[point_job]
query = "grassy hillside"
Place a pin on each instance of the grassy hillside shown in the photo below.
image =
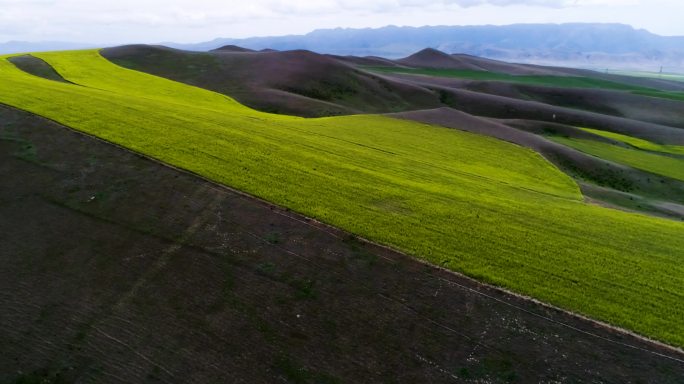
(639, 143)
(467, 202)
(648, 161)
(651, 75)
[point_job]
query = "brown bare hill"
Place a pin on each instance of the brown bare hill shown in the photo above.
(432, 58)
(291, 82)
(36, 67)
(617, 103)
(232, 48)
(165, 277)
(608, 102)
(435, 59)
(308, 84)
(455, 94)
(367, 61)
(508, 68)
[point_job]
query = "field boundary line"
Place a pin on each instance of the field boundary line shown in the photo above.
(331, 230)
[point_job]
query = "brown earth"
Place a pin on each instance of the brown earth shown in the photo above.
(308, 84)
(232, 48)
(607, 102)
(432, 58)
(292, 82)
(514, 104)
(36, 67)
(115, 268)
(366, 61)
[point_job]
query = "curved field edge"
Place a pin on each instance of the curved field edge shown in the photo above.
(638, 143)
(486, 208)
(657, 163)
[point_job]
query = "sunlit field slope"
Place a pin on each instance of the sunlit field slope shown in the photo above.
(484, 207)
(638, 143)
(661, 164)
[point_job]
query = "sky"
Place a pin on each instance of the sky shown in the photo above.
(186, 21)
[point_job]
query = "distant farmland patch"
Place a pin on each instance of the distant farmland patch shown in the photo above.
(552, 81)
(546, 80)
(650, 75)
(647, 161)
(638, 143)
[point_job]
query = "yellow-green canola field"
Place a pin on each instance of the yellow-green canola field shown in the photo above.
(665, 160)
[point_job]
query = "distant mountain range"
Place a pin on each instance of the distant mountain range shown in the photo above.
(576, 44)
(587, 45)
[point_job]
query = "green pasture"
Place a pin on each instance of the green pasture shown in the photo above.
(651, 75)
(660, 164)
(638, 143)
(545, 80)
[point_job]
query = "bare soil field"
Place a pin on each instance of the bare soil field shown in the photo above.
(115, 268)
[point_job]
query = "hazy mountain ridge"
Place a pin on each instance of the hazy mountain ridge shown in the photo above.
(580, 44)
(587, 45)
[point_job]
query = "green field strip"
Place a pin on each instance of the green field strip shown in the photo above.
(477, 205)
(544, 80)
(650, 75)
(638, 143)
(660, 164)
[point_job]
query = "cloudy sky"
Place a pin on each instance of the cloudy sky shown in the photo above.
(150, 21)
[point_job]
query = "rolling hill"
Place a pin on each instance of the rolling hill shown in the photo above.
(488, 174)
(527, 98)
(361, 174)
(296, 82)
(585, 45)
